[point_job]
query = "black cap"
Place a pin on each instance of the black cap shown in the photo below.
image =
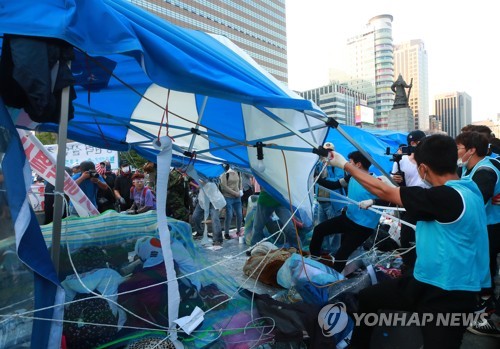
(415, 136)
(123, 163)
(87, 166)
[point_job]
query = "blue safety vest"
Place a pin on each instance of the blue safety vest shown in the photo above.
(454, 256)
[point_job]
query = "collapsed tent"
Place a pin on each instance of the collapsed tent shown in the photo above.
(147, 77)
(138, 76)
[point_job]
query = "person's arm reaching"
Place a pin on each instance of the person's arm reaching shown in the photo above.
(373, 185)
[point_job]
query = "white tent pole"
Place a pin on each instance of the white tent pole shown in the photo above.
(60, 169)
(333, 123)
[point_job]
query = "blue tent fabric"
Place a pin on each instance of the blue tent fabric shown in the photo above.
(31, 247)
(174, 57)
(375, 142)
(217, 99)
(213, 85)
(151, 67)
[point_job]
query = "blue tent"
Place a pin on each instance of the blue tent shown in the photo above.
(374, 142)
(139, 77)
(201, 90)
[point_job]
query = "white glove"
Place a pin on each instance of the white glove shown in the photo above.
(122, 201)
(336, 159)
(366, 203)
(241, 193)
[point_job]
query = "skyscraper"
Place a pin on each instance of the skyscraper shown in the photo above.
(410, 60)
(454, 111)
(371, 66)
(258, 27)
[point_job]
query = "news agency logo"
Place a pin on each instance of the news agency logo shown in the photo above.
(333, 319)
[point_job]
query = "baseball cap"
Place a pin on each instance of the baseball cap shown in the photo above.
(123, 163)
(415, 136)
(148, 248)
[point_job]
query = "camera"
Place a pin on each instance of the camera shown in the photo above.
(404, 150)
(396, 157)
(93, 174)
(407, 150)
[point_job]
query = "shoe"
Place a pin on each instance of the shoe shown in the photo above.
(485, 305)
(227, 237)
(197, 236)
(217, 243)
(485, 328)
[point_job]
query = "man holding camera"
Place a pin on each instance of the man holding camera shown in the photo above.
(89, 181)
(405, 173)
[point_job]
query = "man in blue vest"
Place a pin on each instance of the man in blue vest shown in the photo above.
(451, 238)
(475, 164)
(355, 224)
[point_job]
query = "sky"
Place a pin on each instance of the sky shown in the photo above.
(462, 40)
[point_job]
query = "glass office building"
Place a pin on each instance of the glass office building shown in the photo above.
(454, 111)
(258, 27)
(371, 66)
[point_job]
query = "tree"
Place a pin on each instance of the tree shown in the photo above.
(133, 158)
(46, 137)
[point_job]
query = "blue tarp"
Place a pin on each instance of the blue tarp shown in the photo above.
(215, 100)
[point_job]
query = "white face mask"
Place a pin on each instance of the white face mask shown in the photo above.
(126, 169)
(426, 182)
(461, 163)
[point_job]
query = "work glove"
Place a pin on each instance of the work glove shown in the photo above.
(122, 201)
(336, 160)
(366, 203)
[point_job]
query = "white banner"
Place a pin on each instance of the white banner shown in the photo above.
(42, 162)
(79, 152)
(37, 197)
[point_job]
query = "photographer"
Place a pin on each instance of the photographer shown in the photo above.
(404, 170)
(405, 173)
(89, 181)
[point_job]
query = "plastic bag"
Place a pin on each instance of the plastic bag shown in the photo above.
(216, 198)
(292, 274)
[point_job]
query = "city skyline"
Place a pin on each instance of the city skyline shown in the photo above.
(459, 59)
